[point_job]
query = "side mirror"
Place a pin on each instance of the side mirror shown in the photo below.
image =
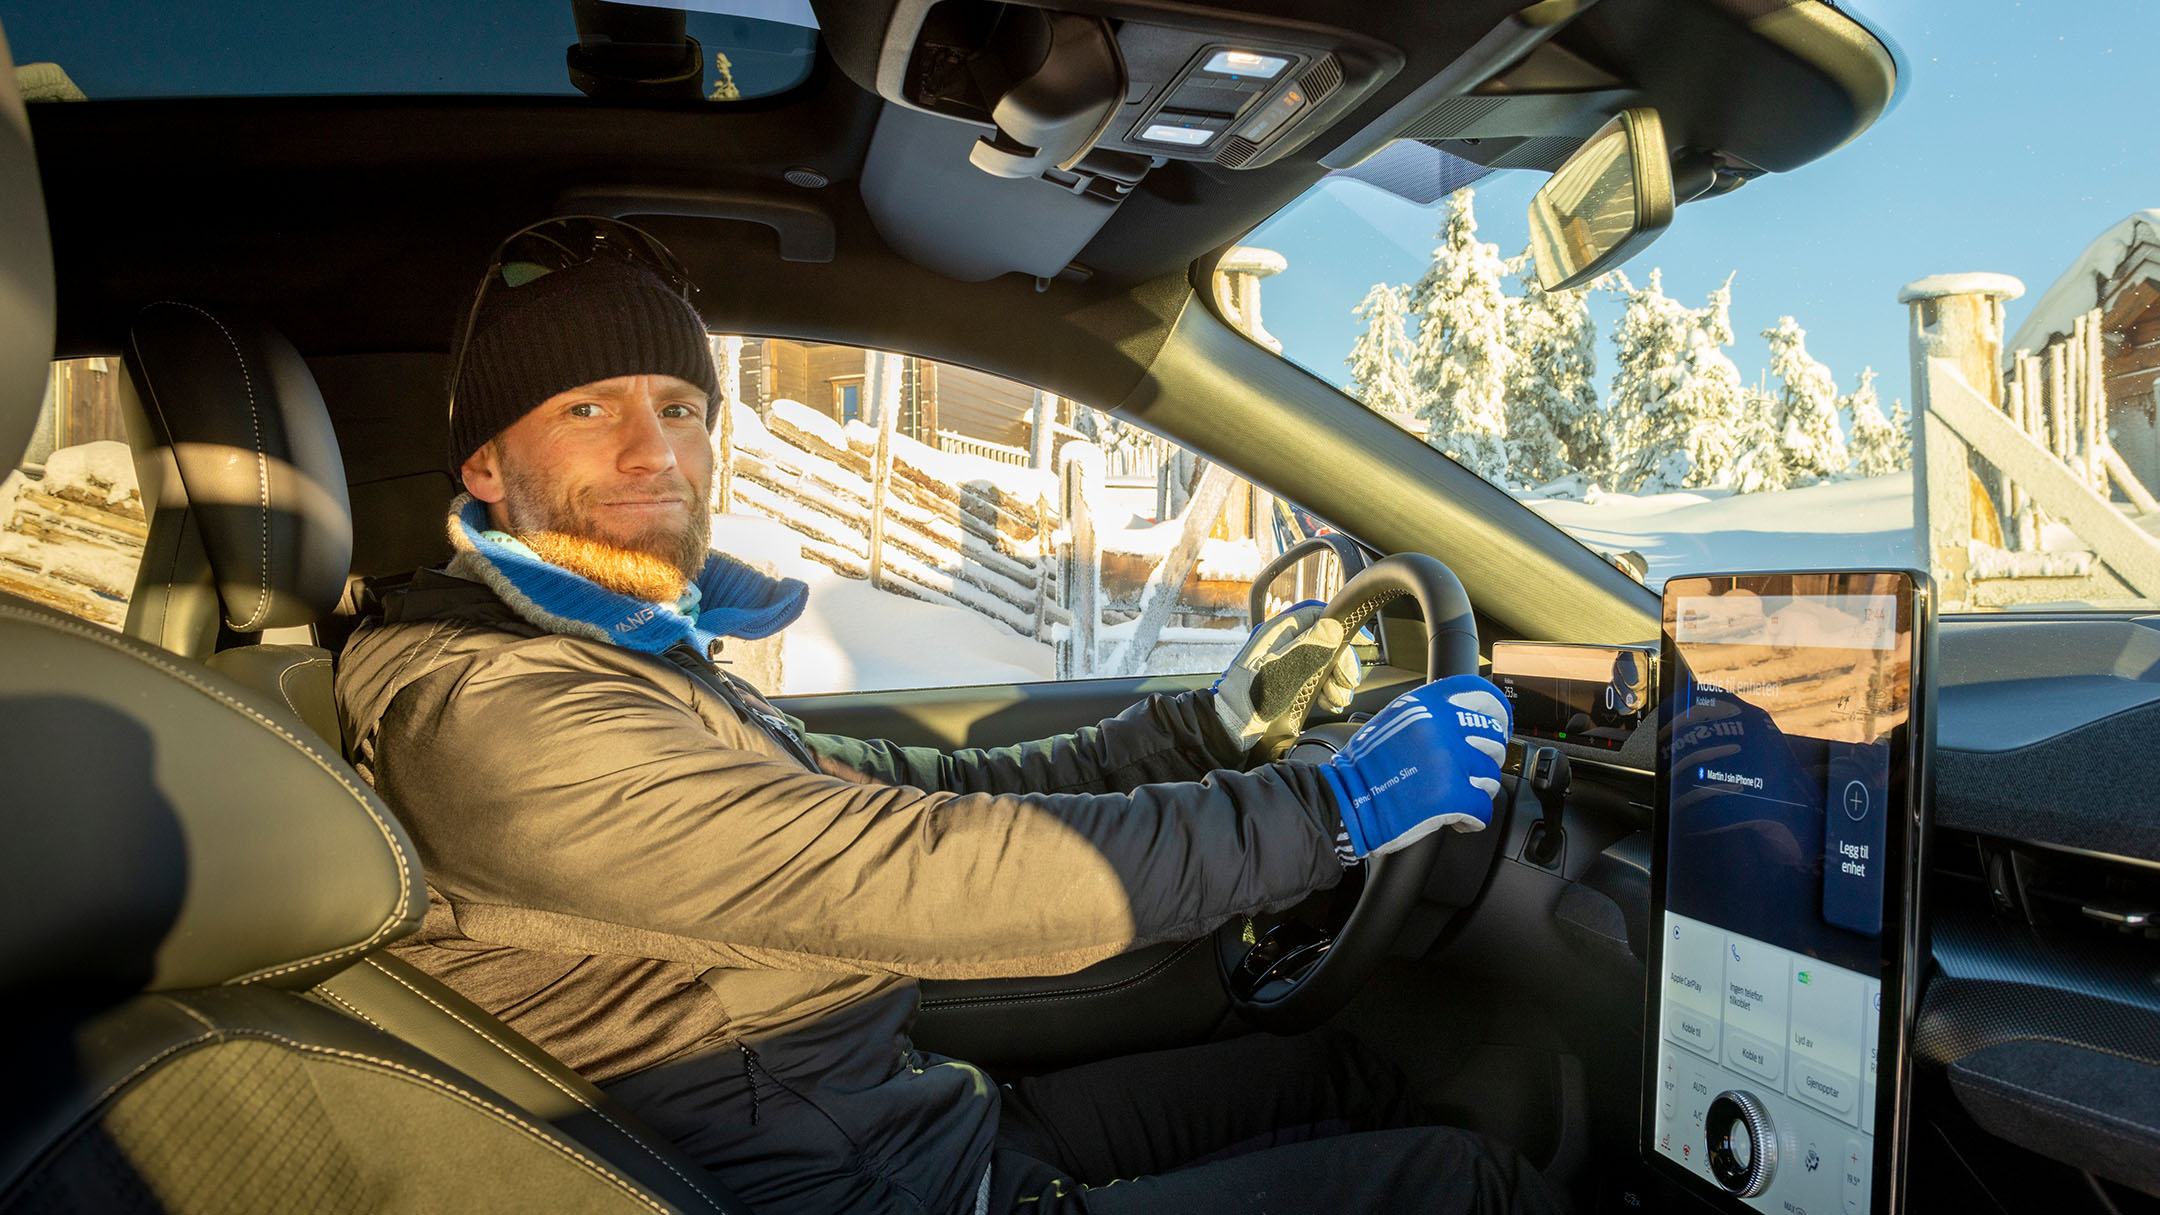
(1606, 204)
(1310, 569)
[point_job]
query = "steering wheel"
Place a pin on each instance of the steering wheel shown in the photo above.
(1295, 976)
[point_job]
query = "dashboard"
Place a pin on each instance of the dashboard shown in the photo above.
(2040, 1022)
(2025, 708)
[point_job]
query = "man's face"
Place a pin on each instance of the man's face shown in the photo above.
(624, 463)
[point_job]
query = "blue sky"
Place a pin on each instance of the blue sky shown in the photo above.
(134, 48)
(2025, 130)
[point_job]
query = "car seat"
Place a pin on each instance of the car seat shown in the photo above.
(187, 858)
(258, 528)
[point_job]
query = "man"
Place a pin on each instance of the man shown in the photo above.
(640, 865)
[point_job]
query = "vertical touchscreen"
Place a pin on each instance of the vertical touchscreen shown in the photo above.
(1788, 701)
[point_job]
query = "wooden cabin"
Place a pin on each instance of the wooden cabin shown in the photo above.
(2119, 274)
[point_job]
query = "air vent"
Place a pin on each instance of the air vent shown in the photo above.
(1452, 116)
(1314, 87)
(2046, 886)
(1235, 152)
(1320, 80)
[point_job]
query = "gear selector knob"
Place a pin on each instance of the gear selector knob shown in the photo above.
(1743, 1146)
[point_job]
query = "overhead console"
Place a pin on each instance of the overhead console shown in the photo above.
(1191, 84)
(1084, 99)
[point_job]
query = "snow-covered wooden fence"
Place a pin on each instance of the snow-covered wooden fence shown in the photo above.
(1023, 546)
(2031, 445)
(2058, 398)
(73, 539)
(954, 441)
(924, 523)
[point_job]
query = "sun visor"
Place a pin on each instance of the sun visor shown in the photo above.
(938, 210)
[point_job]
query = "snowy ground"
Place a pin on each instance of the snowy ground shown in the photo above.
(1858, 523)
(855, 638)
(1133, 528)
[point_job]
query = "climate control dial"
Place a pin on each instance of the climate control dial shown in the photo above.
(1742, 1143)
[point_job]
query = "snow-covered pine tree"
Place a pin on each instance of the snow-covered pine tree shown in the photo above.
(1461, 357)
(1807, 421)
(1758, 464)
(1554, 426)
(1878, 446)
(1675, 404)
(1380, 361)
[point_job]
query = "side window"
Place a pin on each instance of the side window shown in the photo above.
(959, 528)
(71, 518)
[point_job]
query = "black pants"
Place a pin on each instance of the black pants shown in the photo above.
(1256, 1124)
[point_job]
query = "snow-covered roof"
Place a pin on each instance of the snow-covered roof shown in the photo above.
(1253, 260)
(1935, 286)
(2077, 292)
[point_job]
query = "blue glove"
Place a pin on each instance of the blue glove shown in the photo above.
(1431, 759)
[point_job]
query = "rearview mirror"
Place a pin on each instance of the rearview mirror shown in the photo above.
(1606, 204)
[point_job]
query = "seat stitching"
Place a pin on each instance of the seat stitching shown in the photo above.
(262, 464)
(210, 1033)
(358, 1057)
(542, 1072)
(194, 1014)
(207, 1035)
(112, 641)
(2104, 1121)
(341, 1002)
(287, 673)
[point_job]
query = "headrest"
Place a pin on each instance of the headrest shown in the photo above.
(168, 829)
(256, 455)
(26, 274)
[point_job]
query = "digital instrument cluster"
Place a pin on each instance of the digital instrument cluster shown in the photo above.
(1590, 695)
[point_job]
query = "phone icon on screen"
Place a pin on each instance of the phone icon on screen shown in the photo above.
(1735, 952)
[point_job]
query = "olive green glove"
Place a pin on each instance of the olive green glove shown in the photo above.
(1288, 649)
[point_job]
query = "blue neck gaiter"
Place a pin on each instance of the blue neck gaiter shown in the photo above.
(729, 599)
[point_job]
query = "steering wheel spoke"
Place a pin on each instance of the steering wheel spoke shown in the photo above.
(1296, 975)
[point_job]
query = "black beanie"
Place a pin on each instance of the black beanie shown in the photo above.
(596, 320)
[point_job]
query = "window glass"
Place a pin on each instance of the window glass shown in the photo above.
(1746, 392)
(959, 528)
(71, 518)
(640, 51)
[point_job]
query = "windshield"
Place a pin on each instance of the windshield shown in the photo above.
(640, 50)
(1741, 395)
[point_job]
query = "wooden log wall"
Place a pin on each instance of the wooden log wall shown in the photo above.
(2059, 397)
